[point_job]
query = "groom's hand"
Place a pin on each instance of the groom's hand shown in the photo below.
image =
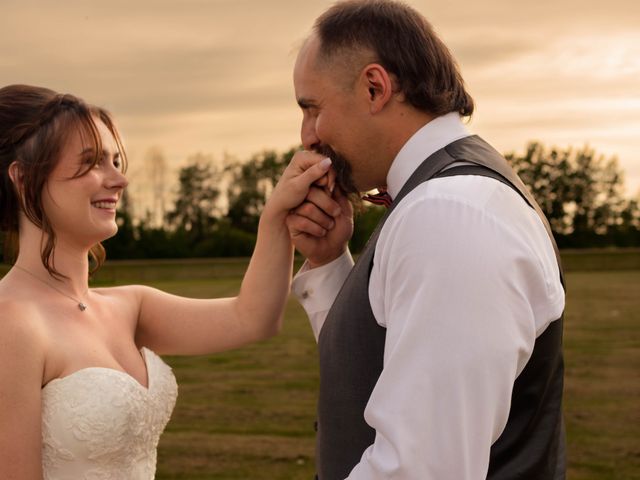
(333, 212)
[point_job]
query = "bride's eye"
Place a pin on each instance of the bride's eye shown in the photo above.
(88, 160)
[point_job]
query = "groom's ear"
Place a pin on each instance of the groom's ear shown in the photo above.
(379, 86)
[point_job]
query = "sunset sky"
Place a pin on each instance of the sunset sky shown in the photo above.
(214, 76)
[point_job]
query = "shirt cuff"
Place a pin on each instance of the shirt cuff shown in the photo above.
(317, 288)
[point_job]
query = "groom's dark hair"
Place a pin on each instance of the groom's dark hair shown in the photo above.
(401, 40)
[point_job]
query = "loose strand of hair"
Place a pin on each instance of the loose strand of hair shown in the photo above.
(47, 251)
(97, 255)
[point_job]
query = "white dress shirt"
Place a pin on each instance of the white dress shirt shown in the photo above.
(464, 279)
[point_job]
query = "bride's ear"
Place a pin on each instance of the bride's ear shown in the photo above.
(16, 176)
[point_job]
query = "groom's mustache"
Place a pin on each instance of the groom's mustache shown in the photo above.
(344, 179)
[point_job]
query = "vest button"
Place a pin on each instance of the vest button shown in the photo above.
(315, 426)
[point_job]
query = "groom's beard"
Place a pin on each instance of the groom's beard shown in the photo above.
(344, 178)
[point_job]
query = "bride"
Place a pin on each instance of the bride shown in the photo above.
(83, 392)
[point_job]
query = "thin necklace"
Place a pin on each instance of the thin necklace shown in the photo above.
(81, 305)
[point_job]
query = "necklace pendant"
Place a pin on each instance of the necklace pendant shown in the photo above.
(82, 306)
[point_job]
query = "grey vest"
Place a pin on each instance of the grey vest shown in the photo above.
(351, 349)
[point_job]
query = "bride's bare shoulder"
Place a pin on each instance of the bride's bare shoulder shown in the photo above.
(21, 330)
(18, 307)
(15, 313)
(125, 300)
(126, 294)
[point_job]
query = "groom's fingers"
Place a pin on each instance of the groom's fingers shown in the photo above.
(316, 215)
(343, 201)
(300, 225)
(321, 199)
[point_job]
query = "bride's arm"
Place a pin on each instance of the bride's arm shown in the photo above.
(170, 324)
(21, 373)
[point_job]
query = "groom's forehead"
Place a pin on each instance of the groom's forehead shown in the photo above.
(308, 55)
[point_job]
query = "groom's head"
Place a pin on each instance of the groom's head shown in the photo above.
(369, 75)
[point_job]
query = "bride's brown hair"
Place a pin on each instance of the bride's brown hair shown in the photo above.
(35, 124)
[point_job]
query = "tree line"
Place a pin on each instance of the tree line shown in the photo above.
(216, 210)
(580, 191)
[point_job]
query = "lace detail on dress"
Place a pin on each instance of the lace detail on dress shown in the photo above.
(101, 424)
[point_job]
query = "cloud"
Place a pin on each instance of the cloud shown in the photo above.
(215, 75)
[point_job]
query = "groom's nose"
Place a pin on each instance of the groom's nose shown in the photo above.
(308, 134)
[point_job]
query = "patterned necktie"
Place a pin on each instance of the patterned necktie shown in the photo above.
(380, 198)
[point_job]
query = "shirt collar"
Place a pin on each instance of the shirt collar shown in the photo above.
(433, 136)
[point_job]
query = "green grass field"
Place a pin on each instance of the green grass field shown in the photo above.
(245, 414)
(248, 414)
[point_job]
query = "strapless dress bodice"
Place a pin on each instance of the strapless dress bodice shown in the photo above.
(102, 424)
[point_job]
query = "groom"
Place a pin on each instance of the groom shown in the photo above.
(440, 349)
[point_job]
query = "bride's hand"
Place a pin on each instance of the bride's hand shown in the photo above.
(331, 214)
(304, 170)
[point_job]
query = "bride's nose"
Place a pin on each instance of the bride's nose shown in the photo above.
(116, 179)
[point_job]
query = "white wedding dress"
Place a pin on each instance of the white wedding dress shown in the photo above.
(101, 424)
